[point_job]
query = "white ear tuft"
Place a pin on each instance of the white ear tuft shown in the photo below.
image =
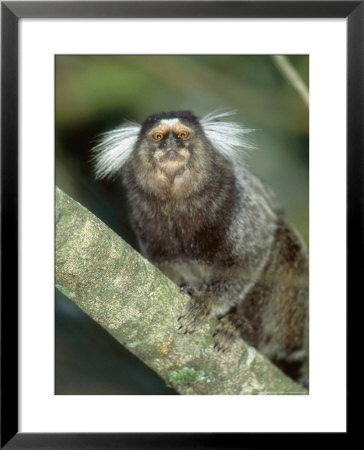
(113, 149)
(228, 138)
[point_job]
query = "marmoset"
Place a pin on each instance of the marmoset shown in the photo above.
(214, 229)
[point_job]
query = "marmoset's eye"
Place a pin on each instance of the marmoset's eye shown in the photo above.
(183, 134)
(157, 136)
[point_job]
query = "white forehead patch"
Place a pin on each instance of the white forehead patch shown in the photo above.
(170, 122)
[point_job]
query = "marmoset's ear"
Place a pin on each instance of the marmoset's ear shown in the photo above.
(228, 138)
(113, 149)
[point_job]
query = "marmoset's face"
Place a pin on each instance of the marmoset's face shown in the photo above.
(170, 150)
(171, 141)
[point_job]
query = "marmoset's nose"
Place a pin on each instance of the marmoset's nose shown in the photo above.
(170, 141)
(171, 153)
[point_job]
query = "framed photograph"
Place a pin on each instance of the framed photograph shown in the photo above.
(83, 80)
(181, 88)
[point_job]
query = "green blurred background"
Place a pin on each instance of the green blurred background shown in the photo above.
(95, 94)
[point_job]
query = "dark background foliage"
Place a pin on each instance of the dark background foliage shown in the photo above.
(95, 94)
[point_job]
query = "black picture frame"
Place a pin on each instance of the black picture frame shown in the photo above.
(11, 12)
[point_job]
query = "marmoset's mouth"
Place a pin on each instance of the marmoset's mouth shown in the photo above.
(171, 161)
(171, 156)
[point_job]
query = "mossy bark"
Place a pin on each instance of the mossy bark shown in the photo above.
(139, 306)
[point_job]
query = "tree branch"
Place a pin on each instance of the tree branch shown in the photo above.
(139, 306)
(290, 73)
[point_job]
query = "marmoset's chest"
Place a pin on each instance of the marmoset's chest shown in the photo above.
(183, 240)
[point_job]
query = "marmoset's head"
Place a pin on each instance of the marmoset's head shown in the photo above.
(169, 145)
(170, 151)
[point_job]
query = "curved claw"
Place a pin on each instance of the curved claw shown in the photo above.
(185, 289)
(198, 311)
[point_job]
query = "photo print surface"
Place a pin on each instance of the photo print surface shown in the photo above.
(200, 164)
